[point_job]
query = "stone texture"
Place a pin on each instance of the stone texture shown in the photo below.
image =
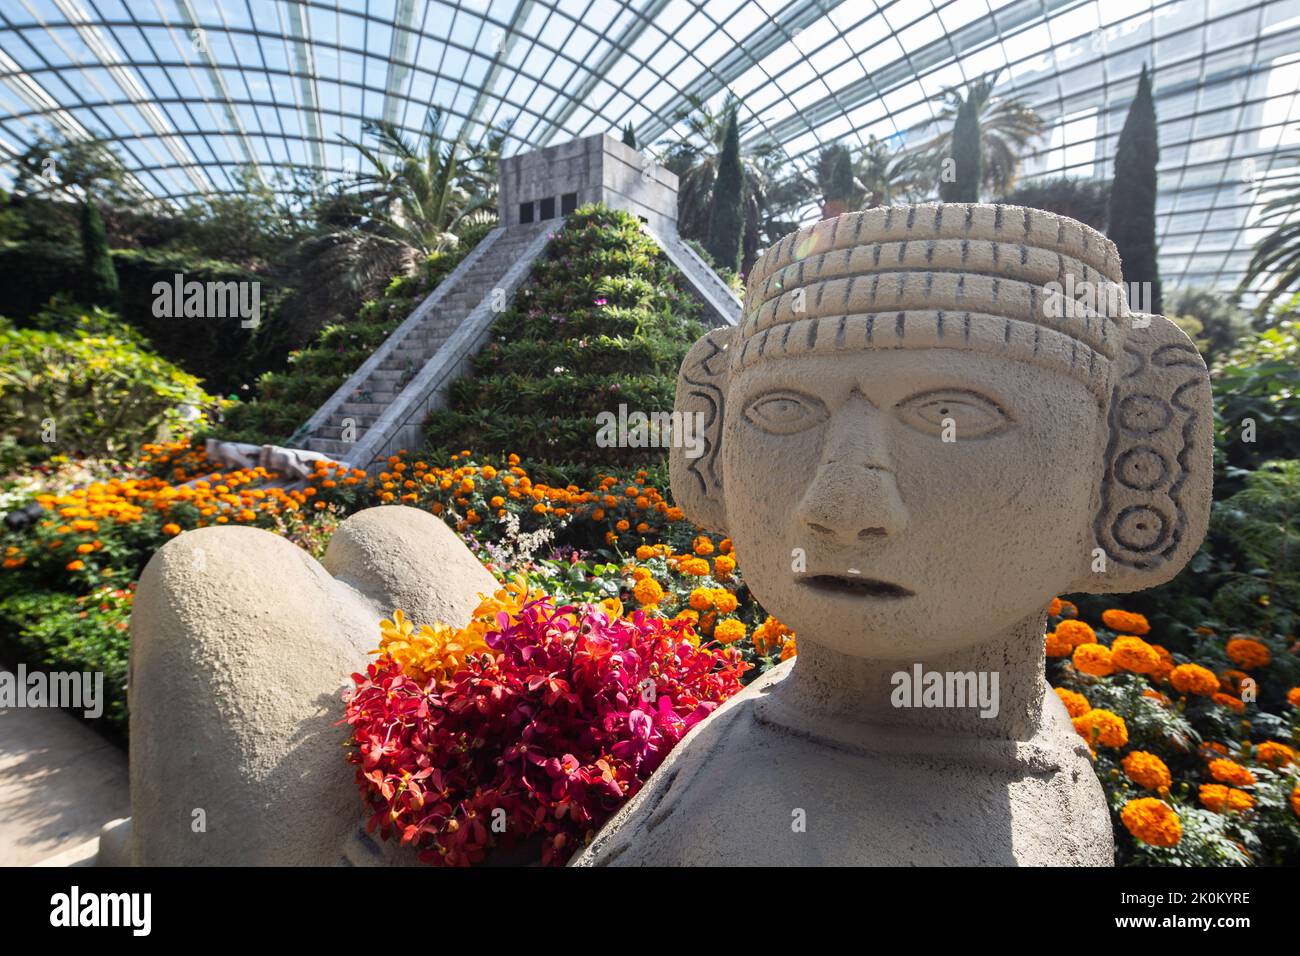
(914, 449)
(241, 646)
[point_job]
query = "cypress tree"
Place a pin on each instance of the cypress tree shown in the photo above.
(967, 155)
(98, 274)
(629, 135)
(1133, 193)
(726, 208)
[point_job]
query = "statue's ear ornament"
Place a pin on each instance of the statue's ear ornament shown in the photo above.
(701, 394)
(1159, 461)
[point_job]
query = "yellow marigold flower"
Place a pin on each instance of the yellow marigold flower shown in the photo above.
(1273, 754)
(1056, 645)
(613, 608)
(1248, 653)
(701, 599)
(1076, 633)
(85, 548)
(648, 591)
(1134, 654)
(688, 615)
(702, 545)
(1094, 659)
(729, 631)
(723, 565)
(640, 574)
(1147, 770)
(1229, 771)
(1218, 798)
(1125, 622)
(1194, 679)
(1076, 705)
(1227, 700)
(696, 567)
(1100, 726)
(1152, 821)
(496, 501)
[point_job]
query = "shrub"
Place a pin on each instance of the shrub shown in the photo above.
(91, 393)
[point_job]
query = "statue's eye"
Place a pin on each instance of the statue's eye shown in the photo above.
(954, 412)
(784, 413)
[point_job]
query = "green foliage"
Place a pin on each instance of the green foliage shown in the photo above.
(100, 278)
(1210, 318)
(1086, 200)
(1133, 193)
(54, 631)
(1260, 381)
(91, 392)
(629, 135)
(967, 156)
(726, 212)
(603, 320)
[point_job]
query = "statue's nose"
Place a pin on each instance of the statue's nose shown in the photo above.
(854, 496)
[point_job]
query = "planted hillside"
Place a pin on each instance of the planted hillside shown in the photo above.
(604, 320)
(287, 399)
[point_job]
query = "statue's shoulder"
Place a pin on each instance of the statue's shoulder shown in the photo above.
(678, 792)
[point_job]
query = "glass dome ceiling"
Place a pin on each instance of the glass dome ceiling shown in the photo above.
(193, 90)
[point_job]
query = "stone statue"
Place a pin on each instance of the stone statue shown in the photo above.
(931, 420)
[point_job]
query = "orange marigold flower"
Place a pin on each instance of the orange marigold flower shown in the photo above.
(1155, 695)
(1100, 726)
(1227, 700)
(1147, 770)
(1293, 697)
(1125, 622)
(723, 566)
(1054, 608)
(724, 601)
(729, 631)
(74, 566)
(171, 529)
(1194, 679)
(696, 567)
(725, 546)
(1152, 821)
(701, 599)
(1134, 654)
(1076, 705)
(648, 591)
(1076, 632)
(1217, 797)
(1247, 652)
(644, 552)
(1276, 755)
(622, 525)
(1295, 800)
(1094, 659)
(702, 545)
(1229, 771)
(1057, 646)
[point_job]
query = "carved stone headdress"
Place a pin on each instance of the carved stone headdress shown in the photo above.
(1022, 282)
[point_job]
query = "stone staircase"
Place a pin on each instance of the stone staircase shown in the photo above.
(393, 380)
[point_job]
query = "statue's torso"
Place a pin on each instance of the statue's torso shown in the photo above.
(742, 790)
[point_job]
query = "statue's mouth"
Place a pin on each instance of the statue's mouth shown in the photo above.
(855, 586)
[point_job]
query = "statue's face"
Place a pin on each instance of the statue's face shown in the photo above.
(857, 524)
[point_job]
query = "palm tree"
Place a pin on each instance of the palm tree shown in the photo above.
(694, 160)
(428, 189)
(1276, 259)
(1007, 125)
(887, 175)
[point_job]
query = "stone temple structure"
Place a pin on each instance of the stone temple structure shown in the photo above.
(915, 439)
